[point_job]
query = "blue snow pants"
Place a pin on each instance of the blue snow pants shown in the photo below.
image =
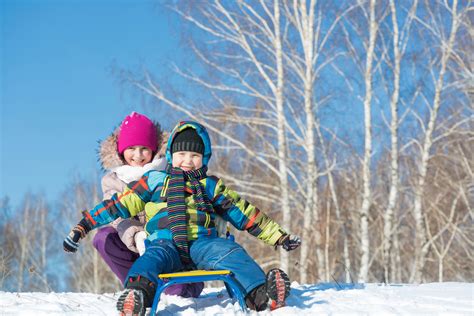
(207, 253)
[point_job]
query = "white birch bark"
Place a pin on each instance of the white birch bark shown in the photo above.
(397, 260)
(310, 212)
(282, 161)
(398, 52)
(422, 245)
(303, 16)
(307, 21)
(393, 193)
(366, 174)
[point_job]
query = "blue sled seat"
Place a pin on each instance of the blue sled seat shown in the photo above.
(233, 287)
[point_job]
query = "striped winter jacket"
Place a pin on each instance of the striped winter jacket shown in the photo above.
(150, 193)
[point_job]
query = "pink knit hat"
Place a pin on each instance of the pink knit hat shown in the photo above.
(137, 130)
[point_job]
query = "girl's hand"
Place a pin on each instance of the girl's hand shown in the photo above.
(127, 229)
(71, 242)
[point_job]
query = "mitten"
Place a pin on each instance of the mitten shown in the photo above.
(127, 230)
(71, 243)
(289, 242)
(140, 242)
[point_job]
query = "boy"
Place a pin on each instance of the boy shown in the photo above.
(181, 205)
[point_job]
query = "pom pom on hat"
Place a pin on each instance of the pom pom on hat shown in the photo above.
(137, 130)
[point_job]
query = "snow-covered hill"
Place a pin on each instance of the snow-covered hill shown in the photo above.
(319, 299)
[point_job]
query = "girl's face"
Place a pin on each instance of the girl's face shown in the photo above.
(187, 160)
(137, 156)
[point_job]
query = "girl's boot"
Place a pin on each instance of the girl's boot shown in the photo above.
(137, 296)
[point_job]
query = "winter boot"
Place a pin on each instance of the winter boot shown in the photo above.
(138, 295)
(257, 299)
(277, 288)
(130, 303)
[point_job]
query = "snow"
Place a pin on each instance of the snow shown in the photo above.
(318, 299)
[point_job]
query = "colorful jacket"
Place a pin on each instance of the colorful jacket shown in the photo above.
(150, 193)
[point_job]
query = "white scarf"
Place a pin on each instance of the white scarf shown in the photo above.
(128, 173)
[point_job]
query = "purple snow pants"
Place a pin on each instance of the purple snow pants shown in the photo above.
(120, 259)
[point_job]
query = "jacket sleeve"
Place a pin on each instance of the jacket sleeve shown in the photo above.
(244, 216)
(111, 184)
(126, 204)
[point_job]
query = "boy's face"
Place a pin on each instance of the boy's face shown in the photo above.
(137, 156)
(187, 160)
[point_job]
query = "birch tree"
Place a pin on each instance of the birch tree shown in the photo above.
(282, 161)
(303, 17)
(366, 174)
(306, 65)
(399, 45)
(422, 245)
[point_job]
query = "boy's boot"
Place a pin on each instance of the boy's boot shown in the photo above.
(137, 296)
(277, 287)
(257, 299)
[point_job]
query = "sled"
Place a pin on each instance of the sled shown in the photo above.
(233, 287)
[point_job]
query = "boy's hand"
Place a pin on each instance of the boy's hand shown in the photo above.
(71, 243)
(289, 242)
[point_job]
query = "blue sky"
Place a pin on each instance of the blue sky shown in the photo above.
(58, 95)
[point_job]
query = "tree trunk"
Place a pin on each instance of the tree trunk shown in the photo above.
(396, 259)
(304, 18)
(393, 194)
(282, 161)
(366, 197)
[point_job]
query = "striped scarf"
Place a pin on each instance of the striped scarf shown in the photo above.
(177, 206)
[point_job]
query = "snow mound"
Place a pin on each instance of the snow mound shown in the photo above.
(317, 299)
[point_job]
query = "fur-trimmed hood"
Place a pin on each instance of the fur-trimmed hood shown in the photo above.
(109, 157)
